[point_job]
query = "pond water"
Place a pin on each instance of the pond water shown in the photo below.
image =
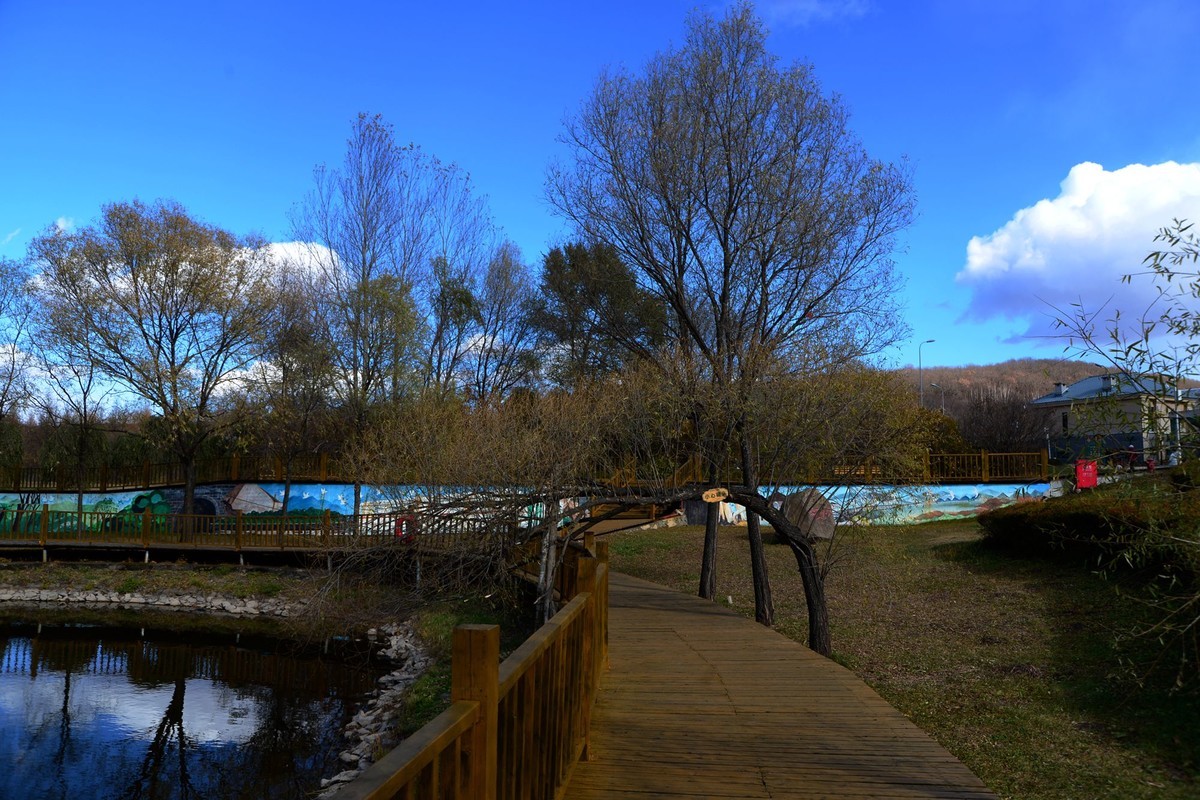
(90, 710)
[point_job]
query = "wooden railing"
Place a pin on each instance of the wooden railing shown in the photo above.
(986, 467)
(43, 527)
(513, 730)
(147, 475)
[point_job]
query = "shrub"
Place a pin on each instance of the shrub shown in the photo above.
(1147, 524)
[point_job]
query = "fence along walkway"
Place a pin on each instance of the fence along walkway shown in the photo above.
(701, 702)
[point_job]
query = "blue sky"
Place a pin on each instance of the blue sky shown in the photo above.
(1023, 122)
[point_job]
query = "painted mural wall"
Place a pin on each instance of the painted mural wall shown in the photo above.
(884, 505)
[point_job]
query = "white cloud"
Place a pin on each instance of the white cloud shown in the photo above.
(301, 258)
(11, 236)
(798, 13)
(64, 224)
(1076, 247)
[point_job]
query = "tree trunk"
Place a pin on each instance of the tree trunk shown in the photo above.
(549, 561)
(764, 609)
(806, 560)
(708, 562)
(287, 484)
(188, 523)
(814, 594)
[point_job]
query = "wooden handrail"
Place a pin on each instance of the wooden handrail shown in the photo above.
(413, 760)
(545, 688)
(41, 527)
(148, 475)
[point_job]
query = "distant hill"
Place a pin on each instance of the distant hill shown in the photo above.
(1026, 378)
(989, 403)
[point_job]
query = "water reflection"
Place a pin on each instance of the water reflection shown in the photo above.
(94, 712)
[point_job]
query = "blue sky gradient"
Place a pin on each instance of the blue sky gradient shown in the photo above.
(227, 107)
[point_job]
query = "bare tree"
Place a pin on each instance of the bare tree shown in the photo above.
(15, 312)
(72, 400)
(291, 387)
(170, 309)
(502, 353)
(387, 232)
(735, 191)
(365, 226)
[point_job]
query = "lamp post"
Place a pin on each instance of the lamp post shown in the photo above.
(920, 371)
(943, 391)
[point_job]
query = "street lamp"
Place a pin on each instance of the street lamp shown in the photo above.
(943, 391)
(920, 372)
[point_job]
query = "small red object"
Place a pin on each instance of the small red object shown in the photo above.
(406, 528)
(1085, 474)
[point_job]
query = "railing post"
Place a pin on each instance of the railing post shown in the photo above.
(44, 525)
(104, 477)
(927, 473)
(278, 469)
(1045, 466)
(146, 474)
(983, 459)
(602, 604)
(475, 676)
(239, 529)
(147, 521)
(325, 528)
(586, 584)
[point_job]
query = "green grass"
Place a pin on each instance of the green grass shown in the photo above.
(430, 694)
(1010, 663)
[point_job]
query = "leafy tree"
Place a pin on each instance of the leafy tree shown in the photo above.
(734, 190)
(169, 309)
(592, 315)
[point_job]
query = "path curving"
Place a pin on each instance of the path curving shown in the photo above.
(703, 703)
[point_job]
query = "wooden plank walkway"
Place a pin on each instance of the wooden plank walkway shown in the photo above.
(703, 703)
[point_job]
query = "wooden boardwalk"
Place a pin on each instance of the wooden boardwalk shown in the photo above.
(703, 703)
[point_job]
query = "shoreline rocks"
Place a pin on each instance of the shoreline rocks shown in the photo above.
(371, 732)
(209, 603)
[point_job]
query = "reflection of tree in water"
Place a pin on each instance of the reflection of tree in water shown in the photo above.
(156, 764)
(294, 741)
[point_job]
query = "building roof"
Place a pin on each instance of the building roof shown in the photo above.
(1108, 385)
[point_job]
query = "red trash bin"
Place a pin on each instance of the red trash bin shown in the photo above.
(1085, 474)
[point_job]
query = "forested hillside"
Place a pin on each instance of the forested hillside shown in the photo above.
(989, 402)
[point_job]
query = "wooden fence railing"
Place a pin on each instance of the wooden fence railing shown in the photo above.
(515, 729)
(981, 466)
(147, 475)
(986, 467)
(43, 527)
